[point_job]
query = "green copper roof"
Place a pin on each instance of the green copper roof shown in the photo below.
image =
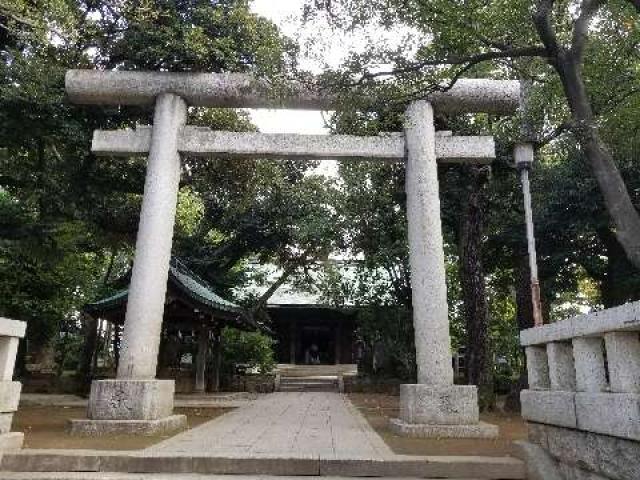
(183, 279)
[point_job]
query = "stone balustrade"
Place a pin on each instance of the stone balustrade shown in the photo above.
(583, 401)
(584, 372)
(10, 333)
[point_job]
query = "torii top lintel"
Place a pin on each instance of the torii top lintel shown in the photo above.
(237, 90)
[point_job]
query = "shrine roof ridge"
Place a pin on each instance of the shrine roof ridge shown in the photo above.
(239, 90)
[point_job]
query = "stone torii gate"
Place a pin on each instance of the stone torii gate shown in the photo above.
(136, 401)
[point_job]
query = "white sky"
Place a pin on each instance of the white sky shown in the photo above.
(286, 14)
(319, 51)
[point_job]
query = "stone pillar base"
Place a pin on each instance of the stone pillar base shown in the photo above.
(96, 428)
(143, 407)
(441, 411)
(11, 441)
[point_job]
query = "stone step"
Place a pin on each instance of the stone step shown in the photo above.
(288, 370)
(155, 476)
(310, 379)
(92, 462)
(309, 384)
(308, 388)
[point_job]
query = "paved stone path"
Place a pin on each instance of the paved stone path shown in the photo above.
(283, 425)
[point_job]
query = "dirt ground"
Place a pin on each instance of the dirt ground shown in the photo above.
(45, 427)
(378, 409)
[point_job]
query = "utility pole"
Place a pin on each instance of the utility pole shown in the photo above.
(523, 155)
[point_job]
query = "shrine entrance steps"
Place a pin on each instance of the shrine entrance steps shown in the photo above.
(313, 378)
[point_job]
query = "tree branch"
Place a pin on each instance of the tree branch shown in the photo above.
(470, 60)
(543, 23)
(588, 9)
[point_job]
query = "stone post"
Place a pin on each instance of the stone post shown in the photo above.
(201, 359)
(426, 251)
(623, 357)
(434, 407)
(537, 368)
(10, 333)
(588, 355)
(135, 401)
(562, 372)
(148, 287)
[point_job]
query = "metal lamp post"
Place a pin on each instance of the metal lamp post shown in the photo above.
(523, 155)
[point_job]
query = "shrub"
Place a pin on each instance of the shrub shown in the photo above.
(253, 350)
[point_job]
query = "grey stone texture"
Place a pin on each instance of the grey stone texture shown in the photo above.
(8, 351)
(538, 368)
(9, 396)
(616, 414)
(199, 141)
(623, 357)
(426, 251)
(428, 430)
(550, 407)
(106, 465)
(586, 453)
(147, 289)
(131, 399)
(282, 425)
(11, 441)
(623, 318)
(439, 405)
(96, 428)
(236, 90)
(588, 355)
(425, 467)
(5, 422)
(562, 372)
(540, 464)
(12, 328)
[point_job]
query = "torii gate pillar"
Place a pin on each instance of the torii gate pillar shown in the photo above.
(135, 401)
(434, 407)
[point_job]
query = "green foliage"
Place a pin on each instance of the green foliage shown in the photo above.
(65, 214)
(387, 333)
(250, 349)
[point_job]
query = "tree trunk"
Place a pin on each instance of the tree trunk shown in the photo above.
(475, 306)
(89, 357)
(616, 197)
(85, 368)
(524, 318)
(215, 360)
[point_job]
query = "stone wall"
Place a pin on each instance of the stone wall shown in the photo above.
(583, 455)
(583, 401)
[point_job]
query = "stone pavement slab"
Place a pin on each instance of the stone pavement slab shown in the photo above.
(283, 424)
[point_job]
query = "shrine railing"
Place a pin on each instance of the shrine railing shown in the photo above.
(584, 372)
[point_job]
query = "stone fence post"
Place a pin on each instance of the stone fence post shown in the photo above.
(11, 331)
(583, 403)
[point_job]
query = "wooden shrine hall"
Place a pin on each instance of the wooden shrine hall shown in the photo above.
(194, 316)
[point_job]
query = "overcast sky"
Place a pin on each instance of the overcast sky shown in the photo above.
(286, 14)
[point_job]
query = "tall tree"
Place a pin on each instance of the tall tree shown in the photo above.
(594, 66)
